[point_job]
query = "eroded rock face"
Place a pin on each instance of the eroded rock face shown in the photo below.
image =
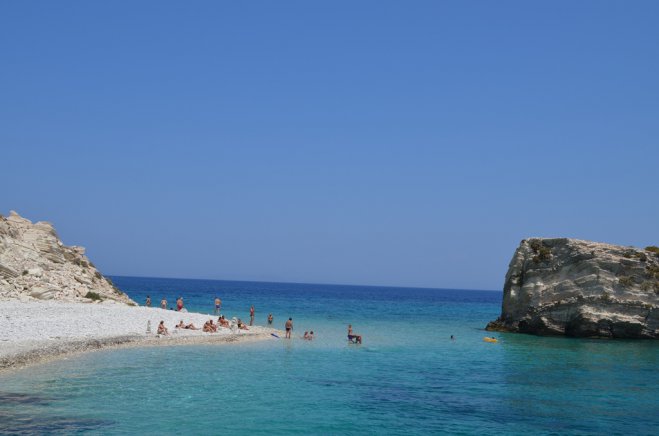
(579, 288)
(34, 264)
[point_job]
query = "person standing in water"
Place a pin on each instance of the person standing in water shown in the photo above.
(270, 318)
(163, 303)
(148, 301)
(289, 327)
(179, 304)
(218, 305)
(251, 315)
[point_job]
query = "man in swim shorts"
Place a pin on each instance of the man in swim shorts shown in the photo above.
(251, 315)
(218, 305)
(289, 327)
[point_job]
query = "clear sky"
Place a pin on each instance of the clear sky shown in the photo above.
(372, 142)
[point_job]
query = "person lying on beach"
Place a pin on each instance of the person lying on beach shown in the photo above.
(242, 325)
(162, 330)
(352, 336)
(209, 327)
(223, 322)
(190, 326)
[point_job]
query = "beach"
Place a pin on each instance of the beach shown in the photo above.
(37, 331)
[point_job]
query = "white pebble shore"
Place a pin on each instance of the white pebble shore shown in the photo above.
(29, 326)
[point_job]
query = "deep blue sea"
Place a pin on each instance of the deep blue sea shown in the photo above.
(408, 376)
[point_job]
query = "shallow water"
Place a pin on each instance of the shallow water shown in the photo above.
(407, 376)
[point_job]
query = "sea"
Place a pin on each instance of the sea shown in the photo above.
(407, 377)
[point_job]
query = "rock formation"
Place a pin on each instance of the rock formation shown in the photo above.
(582, 289)
(34, 264)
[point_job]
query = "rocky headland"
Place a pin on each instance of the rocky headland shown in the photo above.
(578, 288)
(54, 303)
(36, 265)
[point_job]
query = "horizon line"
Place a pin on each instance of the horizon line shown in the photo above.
(304, 283)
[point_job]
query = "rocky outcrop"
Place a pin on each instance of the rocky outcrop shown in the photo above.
(583, 289)
(34, 264)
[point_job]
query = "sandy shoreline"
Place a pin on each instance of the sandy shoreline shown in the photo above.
(35, 332)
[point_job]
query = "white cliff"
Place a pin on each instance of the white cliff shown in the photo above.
(583, 289)
(35, 265)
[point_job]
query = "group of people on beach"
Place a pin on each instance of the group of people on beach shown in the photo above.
(163, 303)
(211, 327)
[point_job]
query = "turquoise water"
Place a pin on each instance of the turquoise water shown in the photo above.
(408, 377)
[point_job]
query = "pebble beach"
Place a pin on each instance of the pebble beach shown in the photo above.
(35, 331)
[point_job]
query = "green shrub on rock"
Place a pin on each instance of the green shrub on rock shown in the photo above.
(93, 296)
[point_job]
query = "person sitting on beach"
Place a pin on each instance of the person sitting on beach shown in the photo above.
(162, 330)
(242, 325)
(311, 335)
(223, 322)
(352, 336)
(270, 318)
(306, 335)
(180, 325)
(163, 303)
(209, 327)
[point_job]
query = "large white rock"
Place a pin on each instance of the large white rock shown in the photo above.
(35, 264)
(579, 288)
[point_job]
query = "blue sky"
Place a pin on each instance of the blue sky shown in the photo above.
(386, 143)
